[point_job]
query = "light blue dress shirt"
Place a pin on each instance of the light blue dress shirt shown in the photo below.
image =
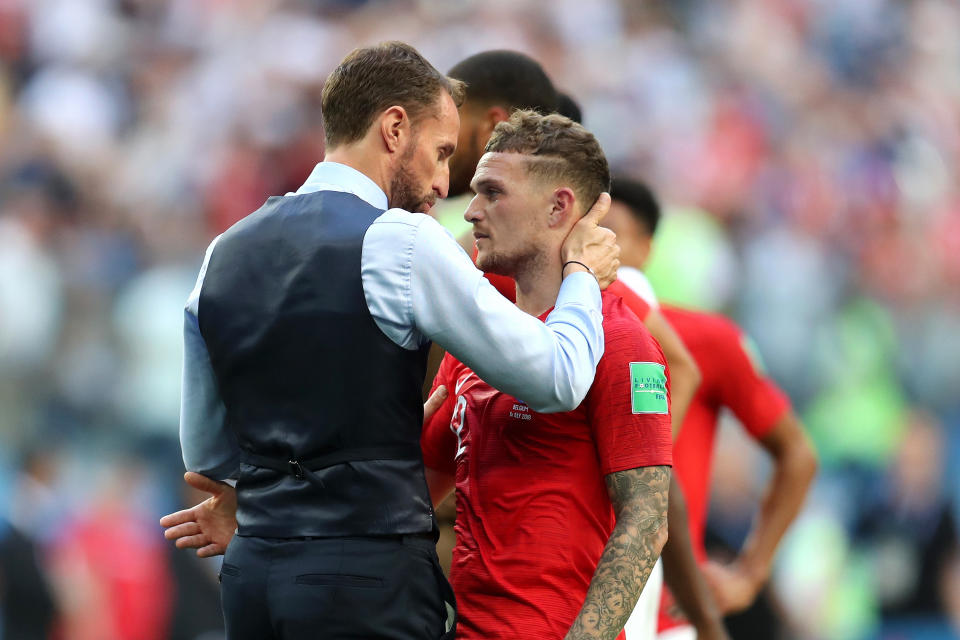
(419, 286)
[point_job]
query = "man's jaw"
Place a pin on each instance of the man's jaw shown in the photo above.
(491, 262)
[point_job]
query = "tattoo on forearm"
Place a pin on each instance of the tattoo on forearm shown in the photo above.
(639, 498)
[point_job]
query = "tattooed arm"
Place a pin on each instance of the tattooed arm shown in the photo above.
(639, 498)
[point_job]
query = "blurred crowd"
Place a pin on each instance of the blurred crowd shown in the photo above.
(807, 152)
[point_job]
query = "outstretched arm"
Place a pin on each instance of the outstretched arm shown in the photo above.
(639, 498)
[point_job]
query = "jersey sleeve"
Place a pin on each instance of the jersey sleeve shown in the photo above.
(628, 405)
(630, 299)
(438, 442)
(752, 396)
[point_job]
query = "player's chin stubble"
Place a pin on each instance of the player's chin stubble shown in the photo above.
(507, 265)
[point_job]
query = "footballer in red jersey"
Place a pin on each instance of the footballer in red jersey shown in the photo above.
(560, 518)
(533, 512)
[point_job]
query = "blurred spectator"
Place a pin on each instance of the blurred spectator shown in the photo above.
(36, 507)
(909, 532)
(951, 591)
(109, 565)
(34, 197)
(858, 388)
(692, 263)
(27, 608)
(196, 604)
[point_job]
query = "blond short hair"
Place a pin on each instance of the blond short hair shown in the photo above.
(560, 148)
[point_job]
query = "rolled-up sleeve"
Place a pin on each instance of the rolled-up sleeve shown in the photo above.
(208, 446)
(550, 366)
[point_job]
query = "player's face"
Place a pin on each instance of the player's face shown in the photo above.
(632, 237)
(423, 170)
(504, 213)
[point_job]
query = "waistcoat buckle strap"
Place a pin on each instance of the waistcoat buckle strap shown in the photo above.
(303, 469)
(296, 469)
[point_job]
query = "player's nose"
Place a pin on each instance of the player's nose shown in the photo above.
(474, 212)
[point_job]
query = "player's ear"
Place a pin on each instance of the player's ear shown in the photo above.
(563, 204)
(491, 117)
(644, 245)
(394, 128)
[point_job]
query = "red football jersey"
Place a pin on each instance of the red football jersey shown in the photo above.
(731, 378)
(533, 514)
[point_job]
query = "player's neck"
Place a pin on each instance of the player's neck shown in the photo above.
(538, 284)
(632, 263)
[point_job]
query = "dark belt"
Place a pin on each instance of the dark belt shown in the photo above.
(303, 469)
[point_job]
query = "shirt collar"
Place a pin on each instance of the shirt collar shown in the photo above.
(333, 176)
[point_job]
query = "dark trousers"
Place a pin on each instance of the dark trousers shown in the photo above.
(369, 588)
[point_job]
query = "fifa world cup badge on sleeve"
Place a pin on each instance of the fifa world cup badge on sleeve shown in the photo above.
(648, 387)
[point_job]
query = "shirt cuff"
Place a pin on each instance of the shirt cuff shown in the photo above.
(580, 288)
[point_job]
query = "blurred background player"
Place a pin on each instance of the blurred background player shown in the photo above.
(499, 82)
(567, 106)
(533, 515)
(733, 379)
(638, 230)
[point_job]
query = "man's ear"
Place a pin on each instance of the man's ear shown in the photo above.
(394, 128)
(644, 246)
(490, 118)
(563, 204)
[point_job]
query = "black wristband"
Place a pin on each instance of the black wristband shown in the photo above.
(564, 267)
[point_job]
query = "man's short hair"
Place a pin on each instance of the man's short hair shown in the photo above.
(560, 149)
(567, 106)
(639, 199)
(372, 79)
(508, 79)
